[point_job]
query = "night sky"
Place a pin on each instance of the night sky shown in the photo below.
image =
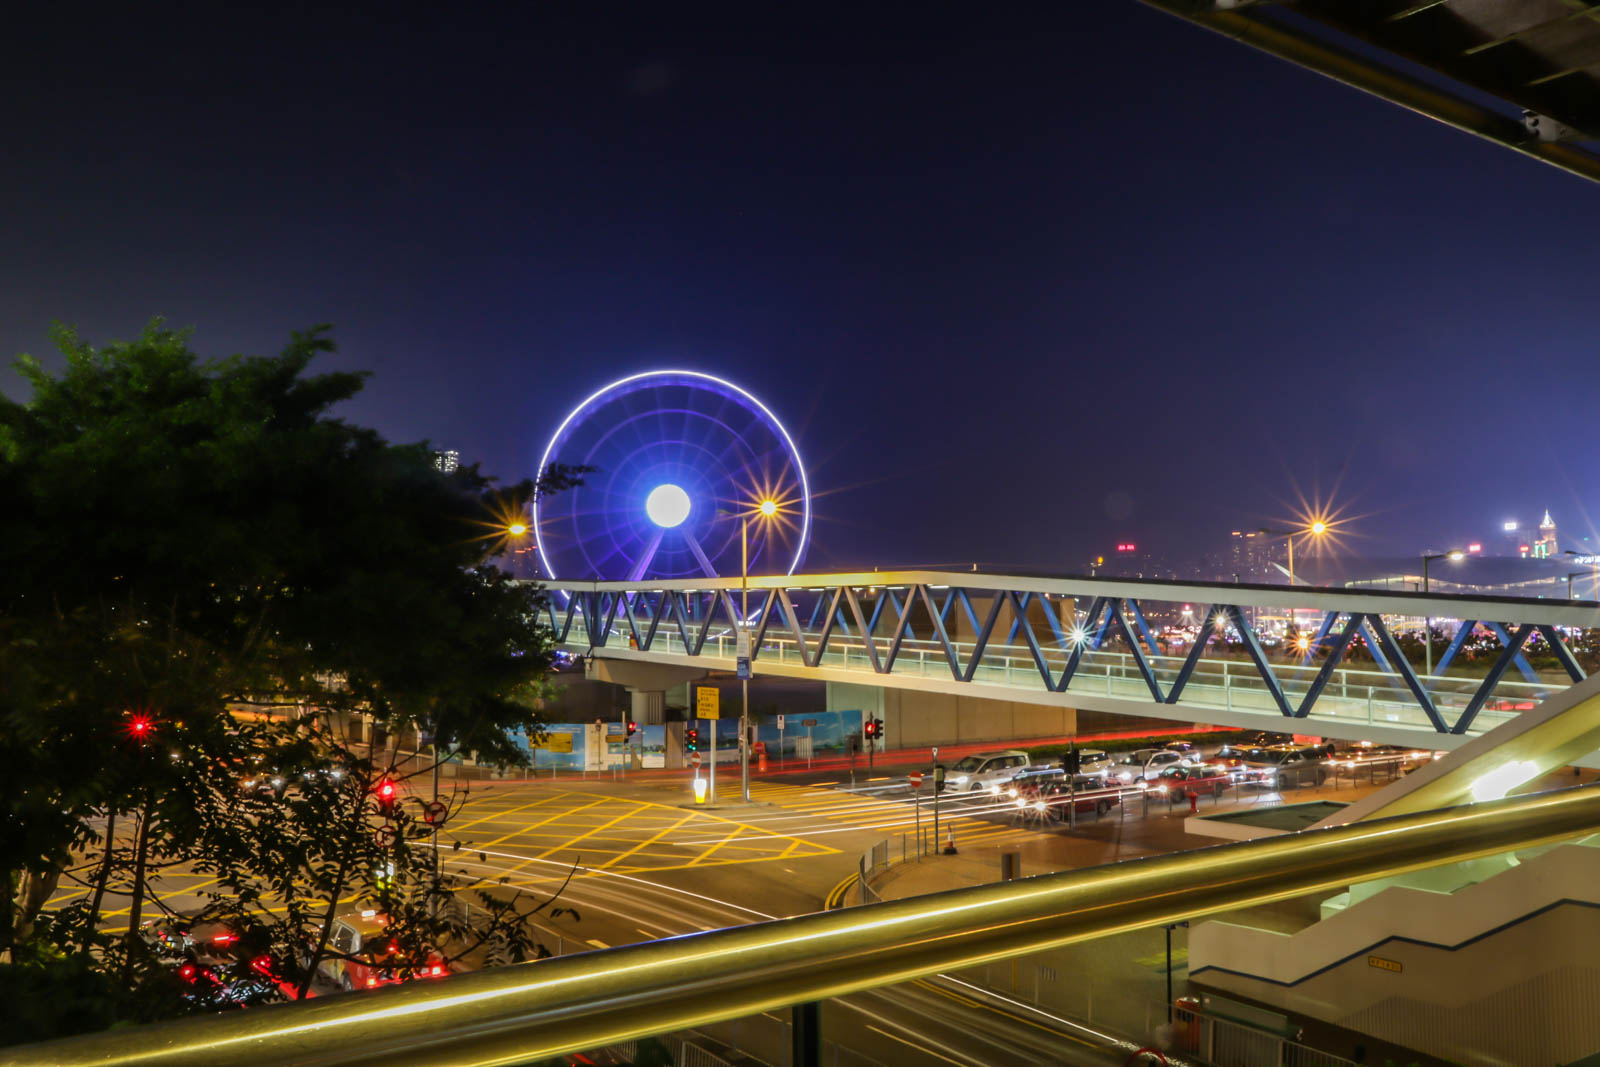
(1023, 280)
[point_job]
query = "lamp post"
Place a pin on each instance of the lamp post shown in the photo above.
(1455, 554)
(1314, 528)
(767, 509)
(1593, 561)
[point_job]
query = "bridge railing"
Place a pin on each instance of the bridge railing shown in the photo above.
(1351, 694)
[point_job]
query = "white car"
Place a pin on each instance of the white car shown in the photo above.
(1093, 761)
(1145, 764)
(985, 770)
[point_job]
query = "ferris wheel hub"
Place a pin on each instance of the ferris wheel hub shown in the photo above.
(667, 505)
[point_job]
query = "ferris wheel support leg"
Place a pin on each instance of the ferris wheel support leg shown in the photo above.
(637, 574)
(700, 554)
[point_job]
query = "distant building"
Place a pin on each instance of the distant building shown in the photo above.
(447, 461)
(1546, 546)
(1251, 554)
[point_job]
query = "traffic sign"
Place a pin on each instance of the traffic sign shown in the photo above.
(435, 813)
(915, 778)
(808, 723)
(694, 759)
(743, 668)
(780, 722)
(707, 702)
(387, 836)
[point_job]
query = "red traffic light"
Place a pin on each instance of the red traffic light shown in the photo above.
(633, 727)
(139, 726)
(386, 792)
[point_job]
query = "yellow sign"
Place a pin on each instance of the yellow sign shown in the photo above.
(1383, 964)
(554, 742)
(707, 701)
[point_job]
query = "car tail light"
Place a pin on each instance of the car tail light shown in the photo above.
(224, 939)
(187, 971)
(437, 970)
(262, 964)
(371, 982)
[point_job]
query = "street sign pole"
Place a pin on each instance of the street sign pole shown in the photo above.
(936, 792)
(708, 706)
(780, 742)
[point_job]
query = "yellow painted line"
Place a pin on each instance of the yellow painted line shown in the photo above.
(835, 897)
(597, 943)
(567, 844)
(738, 828)
(912, 1044)
(560, 814)
(501, 812)
(652, 839)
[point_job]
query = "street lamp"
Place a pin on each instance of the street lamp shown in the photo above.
(765, 510)
(1593, 561)
(1455, 555)
(1314, 528)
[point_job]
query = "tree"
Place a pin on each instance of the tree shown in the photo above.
(181, 539)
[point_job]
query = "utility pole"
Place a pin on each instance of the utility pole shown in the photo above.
(742, 658)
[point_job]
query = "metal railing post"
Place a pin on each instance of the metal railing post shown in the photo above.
(806, 1046)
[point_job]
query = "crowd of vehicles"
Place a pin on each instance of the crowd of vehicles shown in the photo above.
(1178, 771)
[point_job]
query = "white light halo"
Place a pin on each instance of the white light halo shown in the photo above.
(667, 505)
(805, 485)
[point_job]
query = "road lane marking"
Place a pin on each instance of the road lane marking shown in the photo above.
(498, 813)
(652, 839)
(571, 841)
(560, 814)
(912, 1044)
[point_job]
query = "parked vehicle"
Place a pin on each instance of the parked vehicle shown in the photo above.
(1290, 766)
(1175, 782)
(1247, 742)
(985, 770)
(1143, 764)
(1089, 792)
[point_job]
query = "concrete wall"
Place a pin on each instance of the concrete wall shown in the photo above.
(915, 720)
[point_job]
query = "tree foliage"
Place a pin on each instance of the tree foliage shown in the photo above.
(181, 539)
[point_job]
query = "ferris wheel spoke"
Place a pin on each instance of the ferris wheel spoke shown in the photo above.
(700, 554)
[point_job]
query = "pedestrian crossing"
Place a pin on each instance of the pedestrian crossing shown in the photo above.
(983, 820)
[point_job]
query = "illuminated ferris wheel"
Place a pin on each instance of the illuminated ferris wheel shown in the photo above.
(681, 461)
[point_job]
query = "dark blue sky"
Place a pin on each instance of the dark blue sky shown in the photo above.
(1024, 282)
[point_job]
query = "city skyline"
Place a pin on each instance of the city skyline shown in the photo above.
(915, 250)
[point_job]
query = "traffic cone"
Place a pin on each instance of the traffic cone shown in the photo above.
(950, 843)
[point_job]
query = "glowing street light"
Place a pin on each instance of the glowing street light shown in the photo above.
(517, 529)
(769, 508)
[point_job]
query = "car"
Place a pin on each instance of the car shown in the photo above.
(1143, 764)
(985, 770)
(1088, 792)
(1175, 782)
(1185, 748)
(1093, 761)
(361, 955)
(1289, 766)
(1244, 742)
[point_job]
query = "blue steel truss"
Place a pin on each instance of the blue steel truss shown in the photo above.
(839, 610)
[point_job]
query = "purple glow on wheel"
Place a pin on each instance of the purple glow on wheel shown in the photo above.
(680, 457)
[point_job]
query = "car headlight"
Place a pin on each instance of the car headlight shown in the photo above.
(960, 779)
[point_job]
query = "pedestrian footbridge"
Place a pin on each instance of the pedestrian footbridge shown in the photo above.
(1190, 652)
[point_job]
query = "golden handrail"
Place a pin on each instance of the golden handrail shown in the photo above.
(522, 1013)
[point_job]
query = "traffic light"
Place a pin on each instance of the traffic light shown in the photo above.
(877, 727)
(633, 727)
(386, 791)
(693, 738)
(871, 727)
(938, 778)
(1071, 762)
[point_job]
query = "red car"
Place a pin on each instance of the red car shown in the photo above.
(364, 955)
(1175, 783)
